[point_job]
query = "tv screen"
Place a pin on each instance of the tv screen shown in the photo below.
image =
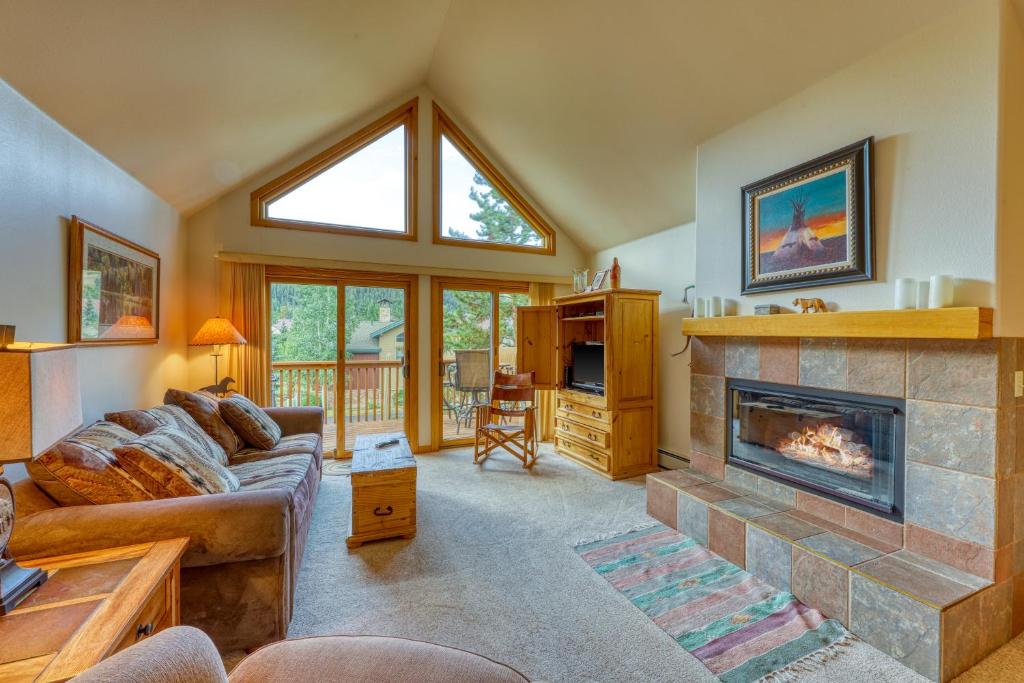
(588, 364)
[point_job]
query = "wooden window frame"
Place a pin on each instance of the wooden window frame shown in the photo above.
(407, 115)
(340, 278)
(437, 286)
(443, 125)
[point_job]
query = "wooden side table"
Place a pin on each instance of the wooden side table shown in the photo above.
(383, 490)
(93, 605)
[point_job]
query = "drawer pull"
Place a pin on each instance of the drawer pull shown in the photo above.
(143, 630)
(591, 436)
(595, 413)
(383, 513)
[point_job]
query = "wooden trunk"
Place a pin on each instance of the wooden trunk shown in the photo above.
(383, 490)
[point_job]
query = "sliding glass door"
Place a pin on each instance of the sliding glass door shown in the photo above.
(474, 335)
(346, 344)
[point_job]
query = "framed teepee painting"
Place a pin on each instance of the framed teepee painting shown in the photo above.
(811, 225)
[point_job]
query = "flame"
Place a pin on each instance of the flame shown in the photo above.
(828, 446)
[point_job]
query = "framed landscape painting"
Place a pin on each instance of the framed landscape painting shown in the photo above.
(113, 288)
(811, 225)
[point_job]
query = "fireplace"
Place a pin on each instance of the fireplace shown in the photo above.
(845, 446)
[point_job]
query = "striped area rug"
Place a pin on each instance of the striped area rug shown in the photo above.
(738, 626)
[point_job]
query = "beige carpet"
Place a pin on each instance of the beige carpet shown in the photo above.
(492, 570)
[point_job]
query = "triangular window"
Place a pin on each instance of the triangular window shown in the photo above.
(363, 185)
(476, 206)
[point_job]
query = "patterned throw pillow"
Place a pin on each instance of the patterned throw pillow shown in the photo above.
(170, 462)
(250, 422)
(204, 410)
(82, 470)
(145, 421)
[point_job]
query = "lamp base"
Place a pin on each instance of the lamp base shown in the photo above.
(16, 583)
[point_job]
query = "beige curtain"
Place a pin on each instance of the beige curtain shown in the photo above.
(541, 294)
(243, 291)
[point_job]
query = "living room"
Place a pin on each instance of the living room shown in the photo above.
(443, 340)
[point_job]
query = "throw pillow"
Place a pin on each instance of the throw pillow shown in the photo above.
(82, 470)
(137, 421)
(145, 421)
(250, 422)
(205, 412)
(170, 462)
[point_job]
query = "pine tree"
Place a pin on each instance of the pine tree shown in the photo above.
(499, 222)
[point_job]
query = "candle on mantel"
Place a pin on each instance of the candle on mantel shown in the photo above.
(906, 293)
(940, 293)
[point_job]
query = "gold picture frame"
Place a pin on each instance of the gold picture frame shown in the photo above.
(113, 288)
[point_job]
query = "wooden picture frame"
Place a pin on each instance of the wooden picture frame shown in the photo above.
(810, 225)
(113, 288)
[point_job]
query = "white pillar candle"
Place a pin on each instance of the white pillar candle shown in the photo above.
(922, 294)
(716, 307)
(699, 307)
(940, 294)
(906, 293)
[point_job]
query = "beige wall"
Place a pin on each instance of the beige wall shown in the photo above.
(664, 261)
(1010, 209)
(47, 174)
(224, 226)
(930, 101)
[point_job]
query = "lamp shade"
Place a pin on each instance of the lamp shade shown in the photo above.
(217, 331)
(40, 398)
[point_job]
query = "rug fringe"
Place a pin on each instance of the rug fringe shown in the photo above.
(613, 534)
(810, 663)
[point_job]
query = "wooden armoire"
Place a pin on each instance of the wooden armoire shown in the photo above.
(613, 432)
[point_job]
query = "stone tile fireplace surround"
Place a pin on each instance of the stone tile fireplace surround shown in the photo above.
(940, 590)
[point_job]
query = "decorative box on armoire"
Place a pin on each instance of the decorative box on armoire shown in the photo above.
(599, 351)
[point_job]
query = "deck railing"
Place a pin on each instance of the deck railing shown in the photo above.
(373, 389)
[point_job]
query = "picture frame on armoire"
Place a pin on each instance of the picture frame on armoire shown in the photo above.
(113, 288)
(810, 225)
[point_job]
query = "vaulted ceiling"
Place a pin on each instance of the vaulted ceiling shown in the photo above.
(596, 107)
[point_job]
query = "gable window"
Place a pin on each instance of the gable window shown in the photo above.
(365, 184)
(474, 204)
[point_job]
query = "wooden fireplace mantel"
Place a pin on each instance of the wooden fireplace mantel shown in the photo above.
(933, 323)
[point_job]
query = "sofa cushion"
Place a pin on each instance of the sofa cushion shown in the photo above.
(285, 472)
(359, 659)
(170, 462)
(82, 469)
(250, 422)
(293, 444)
(145, 421)
(204, 410)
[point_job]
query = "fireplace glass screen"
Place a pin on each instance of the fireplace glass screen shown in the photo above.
(844, 445)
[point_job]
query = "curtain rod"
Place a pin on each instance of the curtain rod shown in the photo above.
(270, 260)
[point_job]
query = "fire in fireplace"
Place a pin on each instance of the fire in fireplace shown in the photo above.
(845, 446)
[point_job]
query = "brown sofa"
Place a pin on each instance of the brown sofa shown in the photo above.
(245, 548)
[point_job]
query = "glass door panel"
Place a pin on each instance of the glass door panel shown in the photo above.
(304, 349)
(374, 361)
(467, 359)
(507, 304)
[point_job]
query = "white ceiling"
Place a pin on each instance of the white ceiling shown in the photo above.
(594, 106)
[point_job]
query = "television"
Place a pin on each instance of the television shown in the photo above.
(587, 370)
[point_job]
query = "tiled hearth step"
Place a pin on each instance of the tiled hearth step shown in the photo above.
(935, 619)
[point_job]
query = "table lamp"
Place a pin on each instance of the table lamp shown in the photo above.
(215, 332)
(40, 404)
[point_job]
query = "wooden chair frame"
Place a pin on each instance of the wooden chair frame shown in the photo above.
(519, 440)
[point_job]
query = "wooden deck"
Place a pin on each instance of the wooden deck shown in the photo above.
(354, 429)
